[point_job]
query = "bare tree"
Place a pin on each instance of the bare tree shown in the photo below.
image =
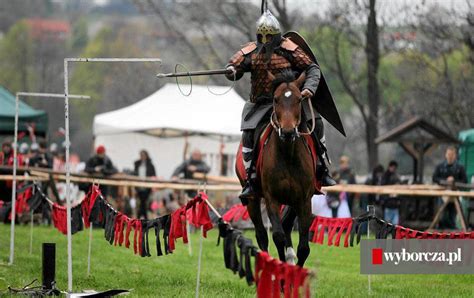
(443, 61)
(349, 32)
(373, 95)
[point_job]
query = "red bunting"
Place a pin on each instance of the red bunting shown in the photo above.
(406, 233)
(198, 216)
(136, 225)
(334, 226)
(236, 213)
(271, 273)
(59, 216)
(120, 221)
(199, 213)
(21, 201)
(88, 203)
(178, 227)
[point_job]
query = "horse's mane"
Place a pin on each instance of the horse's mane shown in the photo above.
(285, 76)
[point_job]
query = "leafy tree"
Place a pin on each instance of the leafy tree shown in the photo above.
(79, 34)
(88, 78)
(16, 56)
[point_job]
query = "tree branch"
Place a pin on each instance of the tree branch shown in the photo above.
(344, 81)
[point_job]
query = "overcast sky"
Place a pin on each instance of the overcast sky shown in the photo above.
(386, 8)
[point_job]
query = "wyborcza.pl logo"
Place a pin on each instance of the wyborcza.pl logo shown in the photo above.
(417, 256)
(379, 256)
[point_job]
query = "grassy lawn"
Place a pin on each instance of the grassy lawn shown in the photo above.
(337, 270)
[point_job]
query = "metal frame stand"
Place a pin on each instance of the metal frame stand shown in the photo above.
(15, 155)
(68, 170)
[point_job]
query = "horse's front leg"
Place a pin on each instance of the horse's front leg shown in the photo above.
(255, 214)
(273, 210)
(288, 220)
(304, 222)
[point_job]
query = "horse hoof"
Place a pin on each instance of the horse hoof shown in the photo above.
(290, 256)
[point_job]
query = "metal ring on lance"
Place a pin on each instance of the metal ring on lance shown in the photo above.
(190, 80)
(191, 83)
(225, 92)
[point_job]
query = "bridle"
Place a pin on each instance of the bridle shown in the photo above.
(276, 125)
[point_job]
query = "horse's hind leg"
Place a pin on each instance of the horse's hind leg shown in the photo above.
(256, 215)
(278, 234)
(288, 220)
(304, 221)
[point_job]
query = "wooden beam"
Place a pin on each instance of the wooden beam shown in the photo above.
(388, 189)
(130, 183)
(22, 178)
(218, 179)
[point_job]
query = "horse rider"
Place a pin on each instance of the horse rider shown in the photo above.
(274, 53)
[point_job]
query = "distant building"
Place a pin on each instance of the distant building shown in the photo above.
(48, 29)
(400, 40)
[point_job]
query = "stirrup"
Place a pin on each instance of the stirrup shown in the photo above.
(327, 180)
(323, 176)
(248, 192)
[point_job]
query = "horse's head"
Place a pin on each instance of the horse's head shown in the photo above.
(286, 116)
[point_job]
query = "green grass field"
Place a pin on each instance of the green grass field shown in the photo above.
(337, 270)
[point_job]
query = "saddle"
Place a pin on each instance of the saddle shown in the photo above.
(263, 134)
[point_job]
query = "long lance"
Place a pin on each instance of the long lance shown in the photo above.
(194, 73)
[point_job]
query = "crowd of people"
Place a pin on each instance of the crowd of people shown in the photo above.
(388, 206)
(138, 200)
(134, 201)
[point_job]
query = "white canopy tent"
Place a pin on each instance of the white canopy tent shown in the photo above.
(165, 120)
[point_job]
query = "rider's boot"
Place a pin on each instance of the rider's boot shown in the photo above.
(322, 171)
(323, 175)
(249, 190)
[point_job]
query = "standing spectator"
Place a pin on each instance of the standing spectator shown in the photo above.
(391, 203)
(53, 149)
(450, 171)
(7, 155)
(40, 157)
(6, 159)
(24, 148)
(346, 176)
(59, 160)
(144, 168)
(374, 179)
(193, 165)
(100, 164)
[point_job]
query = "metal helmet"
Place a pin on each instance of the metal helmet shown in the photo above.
(267, 25)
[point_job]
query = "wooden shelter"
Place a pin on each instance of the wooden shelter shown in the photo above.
(418, 138)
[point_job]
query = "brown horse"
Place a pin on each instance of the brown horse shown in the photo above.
(287, 174)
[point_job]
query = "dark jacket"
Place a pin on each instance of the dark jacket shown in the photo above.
(107, 168)
(150, 168)
(150, 172)
(373, 198)
(201, 166)
(388, 201)
(346, 176)
(444, 170)
(41, 160)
